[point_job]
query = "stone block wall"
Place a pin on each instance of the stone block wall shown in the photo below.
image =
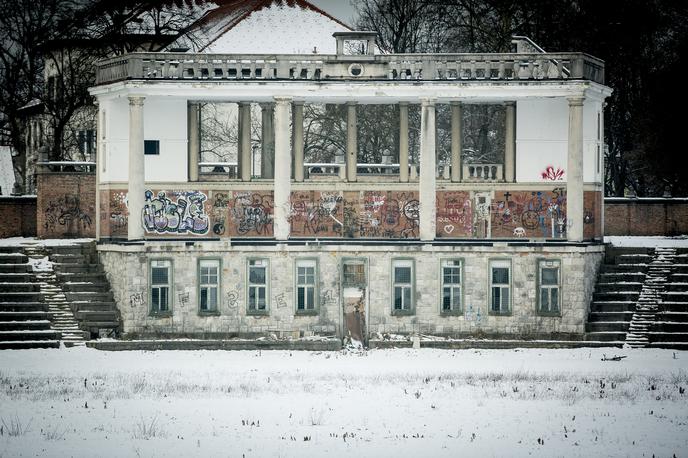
(645, 216)
(18, 216)
(66, 204)
(127, 267)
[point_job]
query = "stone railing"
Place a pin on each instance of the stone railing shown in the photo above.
(67, 166)
(482, 172)
(227, 169)
(412, 67)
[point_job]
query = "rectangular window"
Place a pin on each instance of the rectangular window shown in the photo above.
(500, 286)
(451, 286)
(161, 282)
(354, 273)
(257, 286)
(151, 147)
(402, 285)
(208, 284)
(306, 285)
(549, 286)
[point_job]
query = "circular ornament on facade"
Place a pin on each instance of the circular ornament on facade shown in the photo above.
(356, 70)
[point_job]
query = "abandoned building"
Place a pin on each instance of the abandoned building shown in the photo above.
(347, 194)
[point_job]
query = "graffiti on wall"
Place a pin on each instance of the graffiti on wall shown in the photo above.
(316, 214)
(185, 214)
(218, 212)
(118, 214)
(552, 174)
(251, 214)
(454, 214)
(380, 214)
(66, 211)
(529, 214)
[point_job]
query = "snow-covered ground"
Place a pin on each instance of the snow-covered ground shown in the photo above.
(33, 241)
(649, 241)
(396, 403)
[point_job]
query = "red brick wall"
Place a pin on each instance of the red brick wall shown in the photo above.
(18, 216)
(625, 216)
(66, 204)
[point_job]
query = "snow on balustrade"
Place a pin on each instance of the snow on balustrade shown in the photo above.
(512, 66)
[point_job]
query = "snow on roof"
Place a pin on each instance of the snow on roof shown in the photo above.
(270, 27)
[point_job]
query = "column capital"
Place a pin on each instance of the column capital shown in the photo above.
(351, 102)
(283, 99)
(403, 104)
(510, 103)
(428, 101)
(299, 103)
(455, 103)
(244, 104)
(576, 100)
(267, 106)
(136, 100)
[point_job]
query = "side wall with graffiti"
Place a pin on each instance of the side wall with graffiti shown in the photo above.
(66, 205)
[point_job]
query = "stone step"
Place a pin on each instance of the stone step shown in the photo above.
(607, 326)
(612, 306)
(675, 296)
(673, 306)
(92, 305)
(77, 268)
(86, 287)
(658, 336)
(616, 296)
(94, 326)
(606, 336)
(602, 287)
(24, 316)
(28, 325)
(13, 258)
(25, 296)
(676, 286)
(15, 268)
(18, 287)
(95, 316)
(609, 277)
(40, 334)
(623, 268)
(610, 316)
(25, 344)
(681, 268)
(89, 296)
(681, 317)
(23, 307)
(12, 277)
(633, 258)
(94, 277)
(68, 259)
(665, 326)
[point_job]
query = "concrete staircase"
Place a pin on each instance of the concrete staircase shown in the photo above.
(641, 299)
(52, 295)
(24, 318)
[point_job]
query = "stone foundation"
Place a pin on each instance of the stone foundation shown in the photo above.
(127, 267)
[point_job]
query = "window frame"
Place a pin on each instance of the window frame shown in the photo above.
(256, 311)
(493, 262)
(316, 287)
(411, 310)
(201, 285)
(151, 142)
(170, 285)
(539, 286)
(459, 310)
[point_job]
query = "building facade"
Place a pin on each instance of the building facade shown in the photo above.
(431, 235)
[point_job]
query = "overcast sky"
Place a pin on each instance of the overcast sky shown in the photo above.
(341, 9)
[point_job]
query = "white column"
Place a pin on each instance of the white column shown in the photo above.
(297, 125)
(510, 143)
(194, 135)
(427, 170)
(137, 169)
(282, 182)
(351, 141)
(245, 141)
(267, 149)
(456, 142)
(574, 180)
(403, 142)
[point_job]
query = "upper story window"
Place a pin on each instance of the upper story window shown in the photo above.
(151, 147)
(500, 287)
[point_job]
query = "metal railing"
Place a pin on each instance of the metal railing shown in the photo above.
(401, 67)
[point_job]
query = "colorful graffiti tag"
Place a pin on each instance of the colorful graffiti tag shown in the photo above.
(315, 213)
(251, 214)
(380, 214)
(454, 216)
(529, 214)
(186, 215)
(552, 174)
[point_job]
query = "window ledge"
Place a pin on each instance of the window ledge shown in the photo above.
(258, 312)
(550, 314)
(160, 314)
(491, 312)
(208, 313)
(403, 312)
(306, 312)
(451, 312)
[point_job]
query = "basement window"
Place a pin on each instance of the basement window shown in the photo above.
(549, 287)
(161, 282)
(500, 287)
(151, 147)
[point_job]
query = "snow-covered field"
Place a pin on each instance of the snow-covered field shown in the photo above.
(420, 403)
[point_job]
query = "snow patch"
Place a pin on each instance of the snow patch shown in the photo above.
(648, 242)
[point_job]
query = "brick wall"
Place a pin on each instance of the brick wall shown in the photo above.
(18, 216)
(645, 216)
(66, 204)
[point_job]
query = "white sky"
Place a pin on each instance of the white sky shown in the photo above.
(341, 9)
